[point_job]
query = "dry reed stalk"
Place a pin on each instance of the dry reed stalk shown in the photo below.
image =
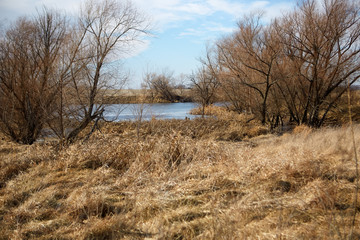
(182, 182)
(356, 163)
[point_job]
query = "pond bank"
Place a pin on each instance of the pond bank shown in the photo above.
(130, 96)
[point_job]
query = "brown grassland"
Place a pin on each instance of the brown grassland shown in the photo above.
(214, 178)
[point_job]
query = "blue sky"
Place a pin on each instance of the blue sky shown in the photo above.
(181, 29)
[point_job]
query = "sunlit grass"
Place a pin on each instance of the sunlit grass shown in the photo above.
(181, 179)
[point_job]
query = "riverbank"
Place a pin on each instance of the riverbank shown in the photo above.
(125, 96)
(224, 178)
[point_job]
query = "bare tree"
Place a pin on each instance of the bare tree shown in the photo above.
(28, 75)
(301, 62)
(182, 83)
(110, 28)
(249, 57)
(204, 88)
(321, 54)
(161, 86)
(53, 70)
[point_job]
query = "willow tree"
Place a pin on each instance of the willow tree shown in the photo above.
(321, 46)
(301, 62)
(204, 87)
(249, 57)
(29, 56)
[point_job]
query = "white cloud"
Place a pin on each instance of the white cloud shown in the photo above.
(195, 8)
(136, 48)
(11, 10)
(168, 14)
(259, 4)
(67, 5)
(192, 32)
(172, 13)
(276, 10)
(197, 15)
(165, 13)
(164, 4)
(221, 29)
(208, 32)
(204, 31)
(227, 6)
(12, 4)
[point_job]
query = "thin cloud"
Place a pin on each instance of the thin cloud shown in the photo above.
(166, 14)
(227, 6)
(136, 49)
(173, 13)
(276, 10)
(195, 22)
(170, 14)
(208, 32)
(195, 8)
(217, 27)
(192, 32)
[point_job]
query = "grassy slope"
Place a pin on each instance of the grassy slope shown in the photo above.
(181, 180)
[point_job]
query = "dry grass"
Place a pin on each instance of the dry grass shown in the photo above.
(340, 114)
(181, 180)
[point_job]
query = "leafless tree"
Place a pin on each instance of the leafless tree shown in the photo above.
(28, 76)
(110, 27)
(249, 58)
(53, 71)
(204, 88)
(161, 85)
(321, 55)
(301, 62)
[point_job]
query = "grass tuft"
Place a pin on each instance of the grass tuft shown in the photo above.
(211, 178)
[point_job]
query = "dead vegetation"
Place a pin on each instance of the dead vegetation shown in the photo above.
(182, 179)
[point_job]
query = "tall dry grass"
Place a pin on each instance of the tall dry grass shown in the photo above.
(182, 180)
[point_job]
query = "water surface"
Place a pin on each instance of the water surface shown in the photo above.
(121, 112)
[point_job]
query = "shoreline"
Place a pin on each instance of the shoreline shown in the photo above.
(125, 96)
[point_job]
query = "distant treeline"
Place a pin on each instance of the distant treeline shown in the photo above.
(123, 96)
